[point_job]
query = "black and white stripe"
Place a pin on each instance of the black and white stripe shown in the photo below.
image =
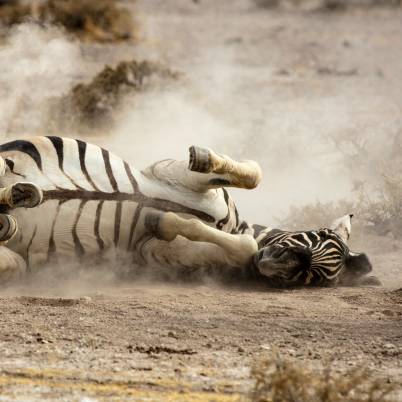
(328, 253)
(91, 198)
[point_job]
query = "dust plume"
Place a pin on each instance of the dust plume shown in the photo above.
(36, 64)
(306, 144)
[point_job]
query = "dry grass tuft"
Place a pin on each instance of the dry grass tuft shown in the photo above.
(324, 5)
(279, 380)
(98, 20)
(91, 105)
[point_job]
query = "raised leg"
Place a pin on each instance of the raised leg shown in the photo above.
(246, 174)
(237, 250)
(206, 170)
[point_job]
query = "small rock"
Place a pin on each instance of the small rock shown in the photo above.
(389, 346)
(172, 334)
(388, 313)
(240, 349)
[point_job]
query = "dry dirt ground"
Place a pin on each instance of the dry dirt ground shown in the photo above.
(80, 341)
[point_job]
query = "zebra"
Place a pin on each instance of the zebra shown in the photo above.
(63, 199)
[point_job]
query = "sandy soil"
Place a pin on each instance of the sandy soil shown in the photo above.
(196, 342)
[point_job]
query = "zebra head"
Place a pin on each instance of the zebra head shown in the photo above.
(315, 257)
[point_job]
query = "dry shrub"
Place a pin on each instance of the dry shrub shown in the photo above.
(279, 380)
(99, 20)
(92, 105)
(316, 215)
(324, 5)
(375, 164)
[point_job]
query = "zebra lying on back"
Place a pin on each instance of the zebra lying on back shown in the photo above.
(62, 197)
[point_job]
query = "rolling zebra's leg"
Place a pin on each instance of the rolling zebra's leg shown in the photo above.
(246, 174)
(206, 170)
(237, 250)
(8, 227)
(21, 195)
(12, 265)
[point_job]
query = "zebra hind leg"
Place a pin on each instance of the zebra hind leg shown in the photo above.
(245, 174)
(21, 195)
(234, 250)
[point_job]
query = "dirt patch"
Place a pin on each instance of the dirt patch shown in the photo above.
(92, 105)
(155, 350)
(41, 301)
(97, 20)
(195, 343)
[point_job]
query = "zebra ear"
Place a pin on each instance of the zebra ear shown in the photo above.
(343, 226)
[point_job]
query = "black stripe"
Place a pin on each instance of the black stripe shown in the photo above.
(243, 227)
(109, 171)
(51, 251)
(131, 177)
(134, 222)
(225, 220)
(29, 246)
(79, 249)
(99, 240)
(157, 203)
(58, 146)
(236, 215)
(26, 147)
(10, 165)
(82, 148)
(117, 221)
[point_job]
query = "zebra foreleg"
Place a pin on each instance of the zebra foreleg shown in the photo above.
(237, 250)
(246, 174)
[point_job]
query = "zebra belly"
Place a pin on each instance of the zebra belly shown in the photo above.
(57, 230)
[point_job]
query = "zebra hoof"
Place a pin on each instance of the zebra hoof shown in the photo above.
(200, 160)
(152, 224)
(25, 195)
(8, 227)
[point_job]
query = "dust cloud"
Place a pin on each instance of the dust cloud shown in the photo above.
(299, 133)
(36, 64)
